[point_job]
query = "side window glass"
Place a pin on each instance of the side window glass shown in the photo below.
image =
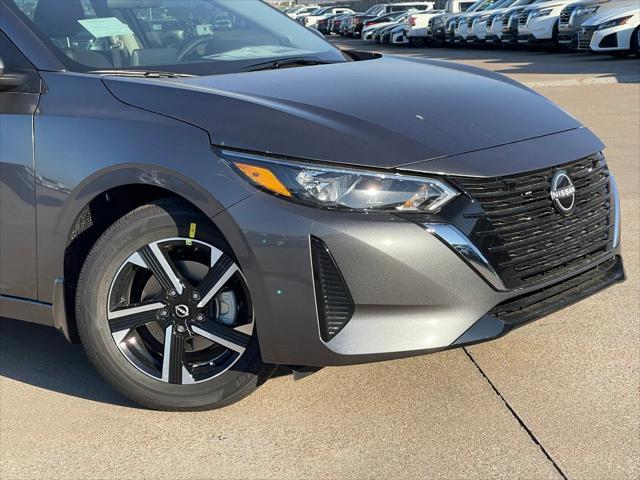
(28, 7)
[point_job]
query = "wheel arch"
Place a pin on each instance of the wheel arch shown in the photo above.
(100, 201)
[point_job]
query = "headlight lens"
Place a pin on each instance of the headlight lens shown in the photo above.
(541, 13)
(338, 188)
(587, 10)
(614, 23)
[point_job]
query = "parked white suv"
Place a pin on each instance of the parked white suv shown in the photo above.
(313, 19)
(463, 26)
(615, 31)
(539, 23)
(417, 25)
(420, 25)
(573, 16)
(489, 23)
(302, 11)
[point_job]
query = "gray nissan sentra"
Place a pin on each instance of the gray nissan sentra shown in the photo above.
(199, 190)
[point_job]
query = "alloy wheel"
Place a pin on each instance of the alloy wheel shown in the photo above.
(179, 310)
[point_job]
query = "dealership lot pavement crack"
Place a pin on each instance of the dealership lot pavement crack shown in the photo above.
(516, 416)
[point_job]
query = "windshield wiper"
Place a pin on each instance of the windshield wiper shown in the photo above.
(283, 63)
(142, 73)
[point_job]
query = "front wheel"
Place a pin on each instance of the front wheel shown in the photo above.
(165, 314)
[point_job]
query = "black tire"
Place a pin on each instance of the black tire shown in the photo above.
(151, 223)
(635, 42)
(555, 42)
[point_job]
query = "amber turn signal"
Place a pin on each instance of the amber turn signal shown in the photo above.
(263, 177)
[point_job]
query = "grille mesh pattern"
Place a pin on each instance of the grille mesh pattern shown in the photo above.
(524, 16)
(584, 37)
(542, 302)
(523, 235)
(335, 306)
(565, 14)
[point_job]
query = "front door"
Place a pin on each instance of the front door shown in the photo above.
(19, 95)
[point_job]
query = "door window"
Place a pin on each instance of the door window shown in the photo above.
(15, 64)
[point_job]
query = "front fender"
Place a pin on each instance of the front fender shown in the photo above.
(88, 142)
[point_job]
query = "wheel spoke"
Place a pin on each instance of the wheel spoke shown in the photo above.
(172, 360)
(161, 267)
(155, 273)
(247, 329)
(222, 335)
(132, 317)
(215, 279)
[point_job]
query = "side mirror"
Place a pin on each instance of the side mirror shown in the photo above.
(317, 32)
(10, 81)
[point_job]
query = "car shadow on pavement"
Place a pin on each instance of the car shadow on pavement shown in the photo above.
(41, 357)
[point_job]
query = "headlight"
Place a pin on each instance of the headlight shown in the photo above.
(542, 13)
(614, 23)
(587, 10)
(343, 188)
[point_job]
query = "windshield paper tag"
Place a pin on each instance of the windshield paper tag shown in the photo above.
(105, 27)
(203, 30)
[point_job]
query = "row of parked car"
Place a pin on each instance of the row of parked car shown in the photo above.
(607, 26)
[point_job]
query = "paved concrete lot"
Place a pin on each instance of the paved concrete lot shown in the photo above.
(559, 398)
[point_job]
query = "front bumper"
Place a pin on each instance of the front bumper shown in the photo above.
(418, 287)
(538, 28)
(568, 39)
(610, 39)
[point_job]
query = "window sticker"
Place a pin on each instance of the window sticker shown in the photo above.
(203, 30)
(105, 27)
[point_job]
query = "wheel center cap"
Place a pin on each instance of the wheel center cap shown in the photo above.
(182, 311)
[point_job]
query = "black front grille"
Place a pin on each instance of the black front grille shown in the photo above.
(567, 38)
(526, 239)
(335, 305)
(522, 18)
(585, 34)
(565, 14)
(470, 23)
(537, 304)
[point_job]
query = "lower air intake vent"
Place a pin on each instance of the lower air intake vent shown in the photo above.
(335, 305)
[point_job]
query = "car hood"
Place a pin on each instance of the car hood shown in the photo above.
(550, 4)
(383, 113)
(611, 14)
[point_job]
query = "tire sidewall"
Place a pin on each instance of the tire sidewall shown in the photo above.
(143, 226)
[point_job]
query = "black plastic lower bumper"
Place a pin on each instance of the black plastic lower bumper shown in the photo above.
(519, 311)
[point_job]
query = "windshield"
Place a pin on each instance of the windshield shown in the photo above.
(500, 4)
(196, 37)
(520, 3)
(476, 6)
